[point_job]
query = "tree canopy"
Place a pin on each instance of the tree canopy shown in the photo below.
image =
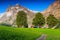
(21, 19)
(39, 20)
(51, 21)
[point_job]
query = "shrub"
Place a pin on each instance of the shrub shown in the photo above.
(5, 24)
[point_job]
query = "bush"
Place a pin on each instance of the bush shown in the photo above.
(5, 24)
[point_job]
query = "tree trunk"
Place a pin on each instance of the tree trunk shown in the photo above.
(39, 26)
(20, 26)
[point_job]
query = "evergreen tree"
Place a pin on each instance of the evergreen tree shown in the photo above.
(21, 19)
(39, 20)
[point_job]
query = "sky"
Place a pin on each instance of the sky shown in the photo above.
(36, 5)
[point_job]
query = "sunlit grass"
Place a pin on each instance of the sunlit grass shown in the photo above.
(9, 33)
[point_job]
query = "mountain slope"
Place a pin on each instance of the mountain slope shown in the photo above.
(54, 9)
(10, 15)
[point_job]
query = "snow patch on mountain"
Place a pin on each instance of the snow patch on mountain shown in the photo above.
(33, 11)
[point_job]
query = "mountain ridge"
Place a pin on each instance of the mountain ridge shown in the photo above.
(10, 15)
(54, 7)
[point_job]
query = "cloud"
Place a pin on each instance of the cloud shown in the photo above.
(35, 11)
(1, 14)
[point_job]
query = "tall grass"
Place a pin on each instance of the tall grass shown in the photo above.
(9, 33)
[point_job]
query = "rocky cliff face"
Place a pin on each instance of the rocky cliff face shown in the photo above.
(54, 9)
(10, 15)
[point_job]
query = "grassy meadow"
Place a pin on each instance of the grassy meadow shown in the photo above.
(10, 33)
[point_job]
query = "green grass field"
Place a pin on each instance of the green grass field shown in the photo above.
(9, 33)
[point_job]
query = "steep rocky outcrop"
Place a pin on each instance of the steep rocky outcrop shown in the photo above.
(54, 9)
(10, 15)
